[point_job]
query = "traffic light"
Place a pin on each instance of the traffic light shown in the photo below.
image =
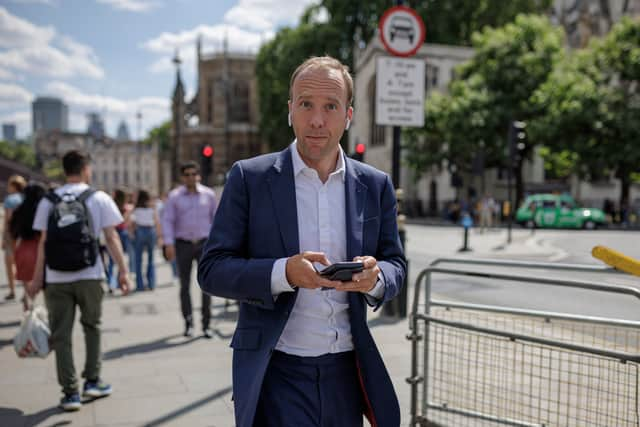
(359, 154)
(517, 141)
(206, 166)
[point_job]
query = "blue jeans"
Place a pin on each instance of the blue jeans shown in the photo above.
(145, 240)
(112, 279)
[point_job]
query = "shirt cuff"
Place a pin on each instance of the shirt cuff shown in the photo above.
(374, 296)
(279, 282)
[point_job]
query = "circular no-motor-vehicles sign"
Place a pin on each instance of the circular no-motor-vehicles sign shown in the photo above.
(402, 31)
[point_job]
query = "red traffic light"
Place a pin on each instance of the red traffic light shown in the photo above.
(207, 151)
(360, 148)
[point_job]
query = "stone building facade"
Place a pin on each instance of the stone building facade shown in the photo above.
(129, 165)
(223, 113)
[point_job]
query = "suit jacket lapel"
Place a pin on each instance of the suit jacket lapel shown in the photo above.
(283, 195)
(355, 195)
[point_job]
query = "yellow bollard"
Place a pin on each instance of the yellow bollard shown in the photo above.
(617, 260)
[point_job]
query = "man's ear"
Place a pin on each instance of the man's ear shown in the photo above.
(349, 118)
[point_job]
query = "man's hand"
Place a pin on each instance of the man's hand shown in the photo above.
(33, 288)
(123, 282)
(363, 281)
(170, 252)
(301, 273)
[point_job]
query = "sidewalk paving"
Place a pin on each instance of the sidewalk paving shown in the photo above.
(161, 378)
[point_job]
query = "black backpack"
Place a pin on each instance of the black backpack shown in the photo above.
(71, 244)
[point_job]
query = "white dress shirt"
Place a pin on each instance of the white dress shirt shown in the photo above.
(319, 322)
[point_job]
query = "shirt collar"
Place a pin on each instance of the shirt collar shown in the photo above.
(185, 191)
(299, 165)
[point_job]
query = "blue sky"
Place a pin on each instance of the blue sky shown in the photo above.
(114, 56)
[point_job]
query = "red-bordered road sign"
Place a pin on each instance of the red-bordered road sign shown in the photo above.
(402, 31)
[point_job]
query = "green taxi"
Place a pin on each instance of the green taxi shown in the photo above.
(557, 211)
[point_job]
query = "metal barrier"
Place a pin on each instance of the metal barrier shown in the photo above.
(480, 365)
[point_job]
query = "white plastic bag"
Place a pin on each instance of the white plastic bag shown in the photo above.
(32, 340)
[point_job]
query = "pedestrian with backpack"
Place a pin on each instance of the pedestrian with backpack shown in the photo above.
(70, 269)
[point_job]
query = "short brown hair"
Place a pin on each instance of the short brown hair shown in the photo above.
(74, 161)
(326, 63)
(18, 182)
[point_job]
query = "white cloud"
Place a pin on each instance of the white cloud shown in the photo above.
(212, 40)
(41, 51)
(247, 26)
(16, 32)
(263, 15)
(6, 74)
(131, 5)
(12, 95)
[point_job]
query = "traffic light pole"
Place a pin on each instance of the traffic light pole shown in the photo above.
(511, 143)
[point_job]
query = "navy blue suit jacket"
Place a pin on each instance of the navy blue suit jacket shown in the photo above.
(256, 223)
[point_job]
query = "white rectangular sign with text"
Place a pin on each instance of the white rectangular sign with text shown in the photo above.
(399, 91)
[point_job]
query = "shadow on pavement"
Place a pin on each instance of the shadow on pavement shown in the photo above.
(171, 416)
(159, 344)
(13, 324)
(4, 343)
(385, 320)
(15, 417)
(166, 285)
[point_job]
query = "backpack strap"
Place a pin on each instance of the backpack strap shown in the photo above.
(53, 197)
(82, 197)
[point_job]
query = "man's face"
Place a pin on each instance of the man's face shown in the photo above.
(190, 177)
(319, 112)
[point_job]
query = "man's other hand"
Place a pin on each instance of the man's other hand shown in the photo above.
(170, 252)
(301, 273)
(365, 280)
(123, 282)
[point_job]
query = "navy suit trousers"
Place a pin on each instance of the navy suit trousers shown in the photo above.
(321, 391)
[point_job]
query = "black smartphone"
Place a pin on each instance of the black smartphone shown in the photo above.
(342, 270)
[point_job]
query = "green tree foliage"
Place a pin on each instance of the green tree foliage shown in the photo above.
(592, 104)
(21, 153)
(161, 134)
(455, 129)
(356, 21)
(447, 22)
(494, 88)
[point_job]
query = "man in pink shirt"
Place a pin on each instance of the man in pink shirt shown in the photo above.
(187, 218)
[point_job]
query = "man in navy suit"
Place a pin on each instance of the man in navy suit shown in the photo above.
(303, 353)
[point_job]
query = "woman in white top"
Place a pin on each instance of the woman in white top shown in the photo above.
(145, 224)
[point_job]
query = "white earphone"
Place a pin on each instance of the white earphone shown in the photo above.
(289, 119)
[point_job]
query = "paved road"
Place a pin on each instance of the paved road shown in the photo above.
(161, 378)
(569, 246)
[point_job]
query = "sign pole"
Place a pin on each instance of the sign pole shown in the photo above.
(395, 166)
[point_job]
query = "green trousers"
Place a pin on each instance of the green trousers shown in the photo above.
(61, 300)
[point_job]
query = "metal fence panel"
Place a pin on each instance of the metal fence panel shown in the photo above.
(489, 366)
